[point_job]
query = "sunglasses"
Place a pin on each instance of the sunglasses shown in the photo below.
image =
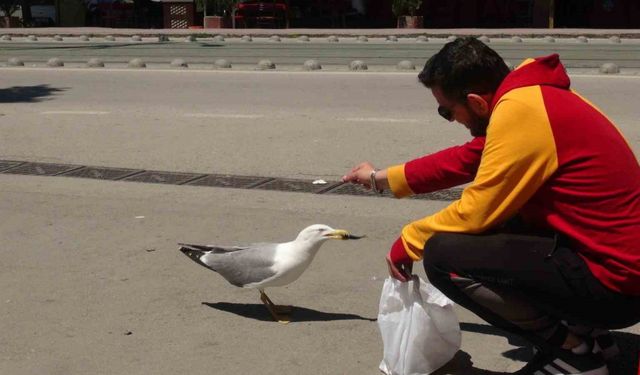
(445, 113)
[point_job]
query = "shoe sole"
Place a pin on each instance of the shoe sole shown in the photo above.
(560, 367)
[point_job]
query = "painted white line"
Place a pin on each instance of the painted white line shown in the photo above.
(223, 115)
(75, 113)
(379, 119)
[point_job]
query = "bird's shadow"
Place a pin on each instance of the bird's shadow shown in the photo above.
(299, 314)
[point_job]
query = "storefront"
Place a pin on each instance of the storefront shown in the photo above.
(350, 13)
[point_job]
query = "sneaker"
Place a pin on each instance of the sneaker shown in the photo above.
(564, 362)
(605, 344)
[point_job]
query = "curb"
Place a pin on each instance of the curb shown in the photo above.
(496, 33)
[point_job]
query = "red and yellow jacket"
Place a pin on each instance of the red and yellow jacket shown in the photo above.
(550, 156)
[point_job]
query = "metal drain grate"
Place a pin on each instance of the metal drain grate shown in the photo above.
(352, 189)
(228, 181)
(5, 164)
(302, 186)
(196, 179)
(102, 173)
(171, 178)
(42, 169)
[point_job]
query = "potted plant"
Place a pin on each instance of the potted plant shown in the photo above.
(406, 10)
(7, 7)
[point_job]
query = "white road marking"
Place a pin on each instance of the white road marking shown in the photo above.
(223, 115)
(75, 113)
(379, 119)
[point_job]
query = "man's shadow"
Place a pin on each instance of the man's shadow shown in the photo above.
(625, 364)
(299, 314)
(461, 364)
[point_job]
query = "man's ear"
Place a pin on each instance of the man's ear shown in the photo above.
(478, 105)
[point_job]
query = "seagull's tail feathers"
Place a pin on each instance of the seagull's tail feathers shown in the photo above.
(195, 253)
(196, 247)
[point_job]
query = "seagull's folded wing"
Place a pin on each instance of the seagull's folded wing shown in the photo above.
(216, 249)
(244, 266)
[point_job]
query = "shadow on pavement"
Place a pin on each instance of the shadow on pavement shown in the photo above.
(461, 364)
(486, 329)
(299, 314)
(625, 364)
(99, 46)
(73, 46)
(27, 94)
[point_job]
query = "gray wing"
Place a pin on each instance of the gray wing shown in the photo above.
(243, 265)
(229, 249)
(224, 249)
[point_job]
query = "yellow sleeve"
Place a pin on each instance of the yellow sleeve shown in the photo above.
(398, 182)
(518, 157)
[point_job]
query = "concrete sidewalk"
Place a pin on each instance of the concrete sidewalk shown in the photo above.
(523, 32)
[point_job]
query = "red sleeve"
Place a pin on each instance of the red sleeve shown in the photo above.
(398, 254)
(444, 169)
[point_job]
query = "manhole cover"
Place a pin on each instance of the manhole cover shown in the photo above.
(5, 164)
(102, 173)
(241, 182)
(42, 169)
(303, 186)
(353, 189)
(170, 178)
(441, 195)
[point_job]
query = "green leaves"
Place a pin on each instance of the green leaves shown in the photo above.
(405, 7)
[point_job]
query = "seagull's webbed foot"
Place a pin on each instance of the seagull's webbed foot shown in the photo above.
(281, 314)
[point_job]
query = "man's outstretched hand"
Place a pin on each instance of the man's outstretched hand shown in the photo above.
(360, 174)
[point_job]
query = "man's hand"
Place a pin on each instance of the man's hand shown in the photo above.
(401, 271)
(361, 175)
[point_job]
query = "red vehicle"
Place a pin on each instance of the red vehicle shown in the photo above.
(261, 14)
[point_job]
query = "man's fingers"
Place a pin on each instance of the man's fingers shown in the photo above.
(359, 174)
(407, 268)
(396, 272)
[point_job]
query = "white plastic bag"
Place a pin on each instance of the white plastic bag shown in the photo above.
(420, 330)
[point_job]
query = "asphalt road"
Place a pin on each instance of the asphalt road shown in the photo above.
(92, 282)
(275, 123)
(291, 52)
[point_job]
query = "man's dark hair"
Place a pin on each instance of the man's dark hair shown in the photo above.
(464, 66)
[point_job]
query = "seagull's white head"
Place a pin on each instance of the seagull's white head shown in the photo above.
(320, 233)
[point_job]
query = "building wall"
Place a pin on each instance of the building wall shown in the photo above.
(515, 13)
(72, 13)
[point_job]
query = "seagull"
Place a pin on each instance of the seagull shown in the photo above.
(263, 265)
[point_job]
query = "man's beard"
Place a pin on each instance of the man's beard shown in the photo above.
(478, 125)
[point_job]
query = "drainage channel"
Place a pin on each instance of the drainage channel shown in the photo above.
(200, 179)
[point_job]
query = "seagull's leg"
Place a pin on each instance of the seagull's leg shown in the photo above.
(280, 309)
(273, 309)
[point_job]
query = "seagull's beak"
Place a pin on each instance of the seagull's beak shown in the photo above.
(341, 234)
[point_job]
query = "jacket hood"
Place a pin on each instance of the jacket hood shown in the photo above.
(547, 70)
